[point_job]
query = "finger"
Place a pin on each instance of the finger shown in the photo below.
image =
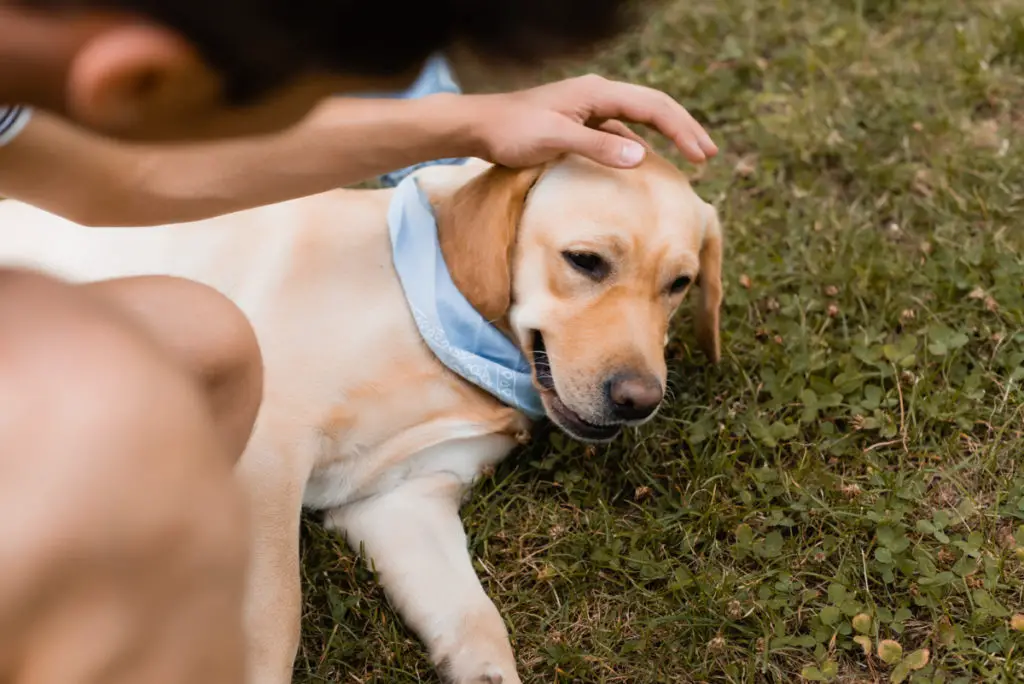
(610, 149)
(620, 129)
(638, 104)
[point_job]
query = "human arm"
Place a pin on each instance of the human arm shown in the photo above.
(345, 140)
(95, 181)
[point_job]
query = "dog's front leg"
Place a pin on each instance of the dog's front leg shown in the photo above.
(274, 479)
(415, 540)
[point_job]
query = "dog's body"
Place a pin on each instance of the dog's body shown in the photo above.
(360, 419)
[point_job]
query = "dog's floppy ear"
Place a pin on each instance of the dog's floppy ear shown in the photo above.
(710, 282)
(477, 228)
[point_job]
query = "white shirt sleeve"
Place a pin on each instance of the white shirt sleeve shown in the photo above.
(12, 119)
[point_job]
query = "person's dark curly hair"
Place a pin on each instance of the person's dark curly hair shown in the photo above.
(258, 45)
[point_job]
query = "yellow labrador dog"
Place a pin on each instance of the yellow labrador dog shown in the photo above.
(581, 267)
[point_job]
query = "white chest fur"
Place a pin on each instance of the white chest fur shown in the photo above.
(469, 450)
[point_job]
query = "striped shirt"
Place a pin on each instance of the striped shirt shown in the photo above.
(12, 119)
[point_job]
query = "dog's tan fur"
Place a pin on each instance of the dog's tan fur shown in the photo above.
(360, 420)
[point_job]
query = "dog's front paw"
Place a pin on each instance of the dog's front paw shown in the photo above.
(467, 670)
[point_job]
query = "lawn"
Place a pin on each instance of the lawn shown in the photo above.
(849, 482)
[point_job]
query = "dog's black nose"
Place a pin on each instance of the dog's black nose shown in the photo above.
(633, 396)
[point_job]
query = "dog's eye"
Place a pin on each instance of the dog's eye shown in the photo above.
(679, 284)
(587, 263)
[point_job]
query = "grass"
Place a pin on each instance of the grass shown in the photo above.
(852, 475)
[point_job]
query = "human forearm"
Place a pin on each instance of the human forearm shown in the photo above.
(70, 172)
(342, 142)
(98, 182)
(349, 140)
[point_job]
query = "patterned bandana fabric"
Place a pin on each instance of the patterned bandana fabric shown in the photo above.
(459, 336)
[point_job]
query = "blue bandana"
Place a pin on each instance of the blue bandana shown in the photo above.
(459, 336)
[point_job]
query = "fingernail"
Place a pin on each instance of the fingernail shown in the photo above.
(632, 153)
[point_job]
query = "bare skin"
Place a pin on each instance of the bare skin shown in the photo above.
(124, 561)
(207, 335)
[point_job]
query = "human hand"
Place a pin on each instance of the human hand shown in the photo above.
(582, 115)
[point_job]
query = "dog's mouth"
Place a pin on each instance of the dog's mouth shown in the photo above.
(562, 415)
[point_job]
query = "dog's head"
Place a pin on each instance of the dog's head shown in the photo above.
(584, 266)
